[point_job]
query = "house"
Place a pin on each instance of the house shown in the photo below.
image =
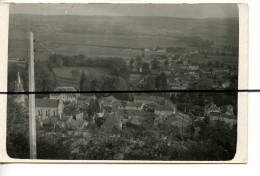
(149, 99)
(161, 50)
(228, 110)
(211, 108)
(178, 86)
(228, 119)
(219, 70)
(180, 122)
(64, 120)
(84, 101)
(134, 106)
(48, 122)
(185, 62)
(113, 121)
(63, 96)
(165, 110)
(45, 108)
(225, 84)
(109, 104)
(193, 67)
(139, 120)
(216, 114)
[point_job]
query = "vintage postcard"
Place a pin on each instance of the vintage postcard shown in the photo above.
(124, 83)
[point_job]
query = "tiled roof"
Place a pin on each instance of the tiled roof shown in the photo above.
(46, 103)
(149, 98)
(214, 107)
(111, 122)
(165, 107)
(65, 89)
(177, 121)
(134, 104)
(65, 94)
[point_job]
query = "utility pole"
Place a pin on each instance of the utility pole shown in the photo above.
(32, 122)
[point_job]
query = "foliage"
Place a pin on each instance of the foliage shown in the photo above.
(161, 81)
(17, 141)
(45, 79)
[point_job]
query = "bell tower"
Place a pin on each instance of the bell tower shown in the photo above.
(20, 98)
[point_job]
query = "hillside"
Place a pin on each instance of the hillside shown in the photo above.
(116, 36)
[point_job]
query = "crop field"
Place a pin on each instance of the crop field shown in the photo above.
(228, 60)
(135, 78)
(65, 78)
(96, 36)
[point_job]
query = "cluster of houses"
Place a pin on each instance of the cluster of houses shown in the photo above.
(145, 109)
(224, 113)
(182, 74)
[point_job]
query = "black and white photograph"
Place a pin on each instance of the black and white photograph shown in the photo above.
(123, 82)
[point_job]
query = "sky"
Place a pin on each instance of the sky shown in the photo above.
(176, 10)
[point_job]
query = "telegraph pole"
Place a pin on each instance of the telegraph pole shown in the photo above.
(32, 122)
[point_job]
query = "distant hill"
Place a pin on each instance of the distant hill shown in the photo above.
(212, 29)
(121, 32)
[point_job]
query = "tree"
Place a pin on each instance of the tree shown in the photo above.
(217, 64)
(161, 81)
(82, 81)
(150, 83)
(210, 64)
(70, 109)
(155, 64)
(91, 109)
(45, 78)
(17, 136)
(146, 68)
(166, 62)
(131, 63)
(56, 60)
(85, 82)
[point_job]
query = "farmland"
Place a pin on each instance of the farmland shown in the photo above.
(121, 37)
(65, 78)
(229, 60)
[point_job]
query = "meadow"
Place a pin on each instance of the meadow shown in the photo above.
(228, 60)
(113, 36)
(65, 78)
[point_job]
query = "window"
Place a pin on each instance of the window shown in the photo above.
(54, 113)
(46, 112)
(39, 112)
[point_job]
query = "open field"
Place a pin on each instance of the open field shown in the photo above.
(96, 36)
(228, 60)
(65, 78)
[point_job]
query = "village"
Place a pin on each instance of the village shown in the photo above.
(183, 72)
(76, 112)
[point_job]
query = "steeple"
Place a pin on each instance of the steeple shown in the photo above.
(18, 78)
(19, 88)
(18, 84)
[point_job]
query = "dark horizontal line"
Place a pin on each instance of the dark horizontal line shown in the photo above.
(133, 91)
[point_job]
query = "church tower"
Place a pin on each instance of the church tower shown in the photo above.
(18, 87)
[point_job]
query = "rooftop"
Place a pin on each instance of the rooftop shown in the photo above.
(165, 107)
(134, 104)
(46, 103)
(65, 89)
